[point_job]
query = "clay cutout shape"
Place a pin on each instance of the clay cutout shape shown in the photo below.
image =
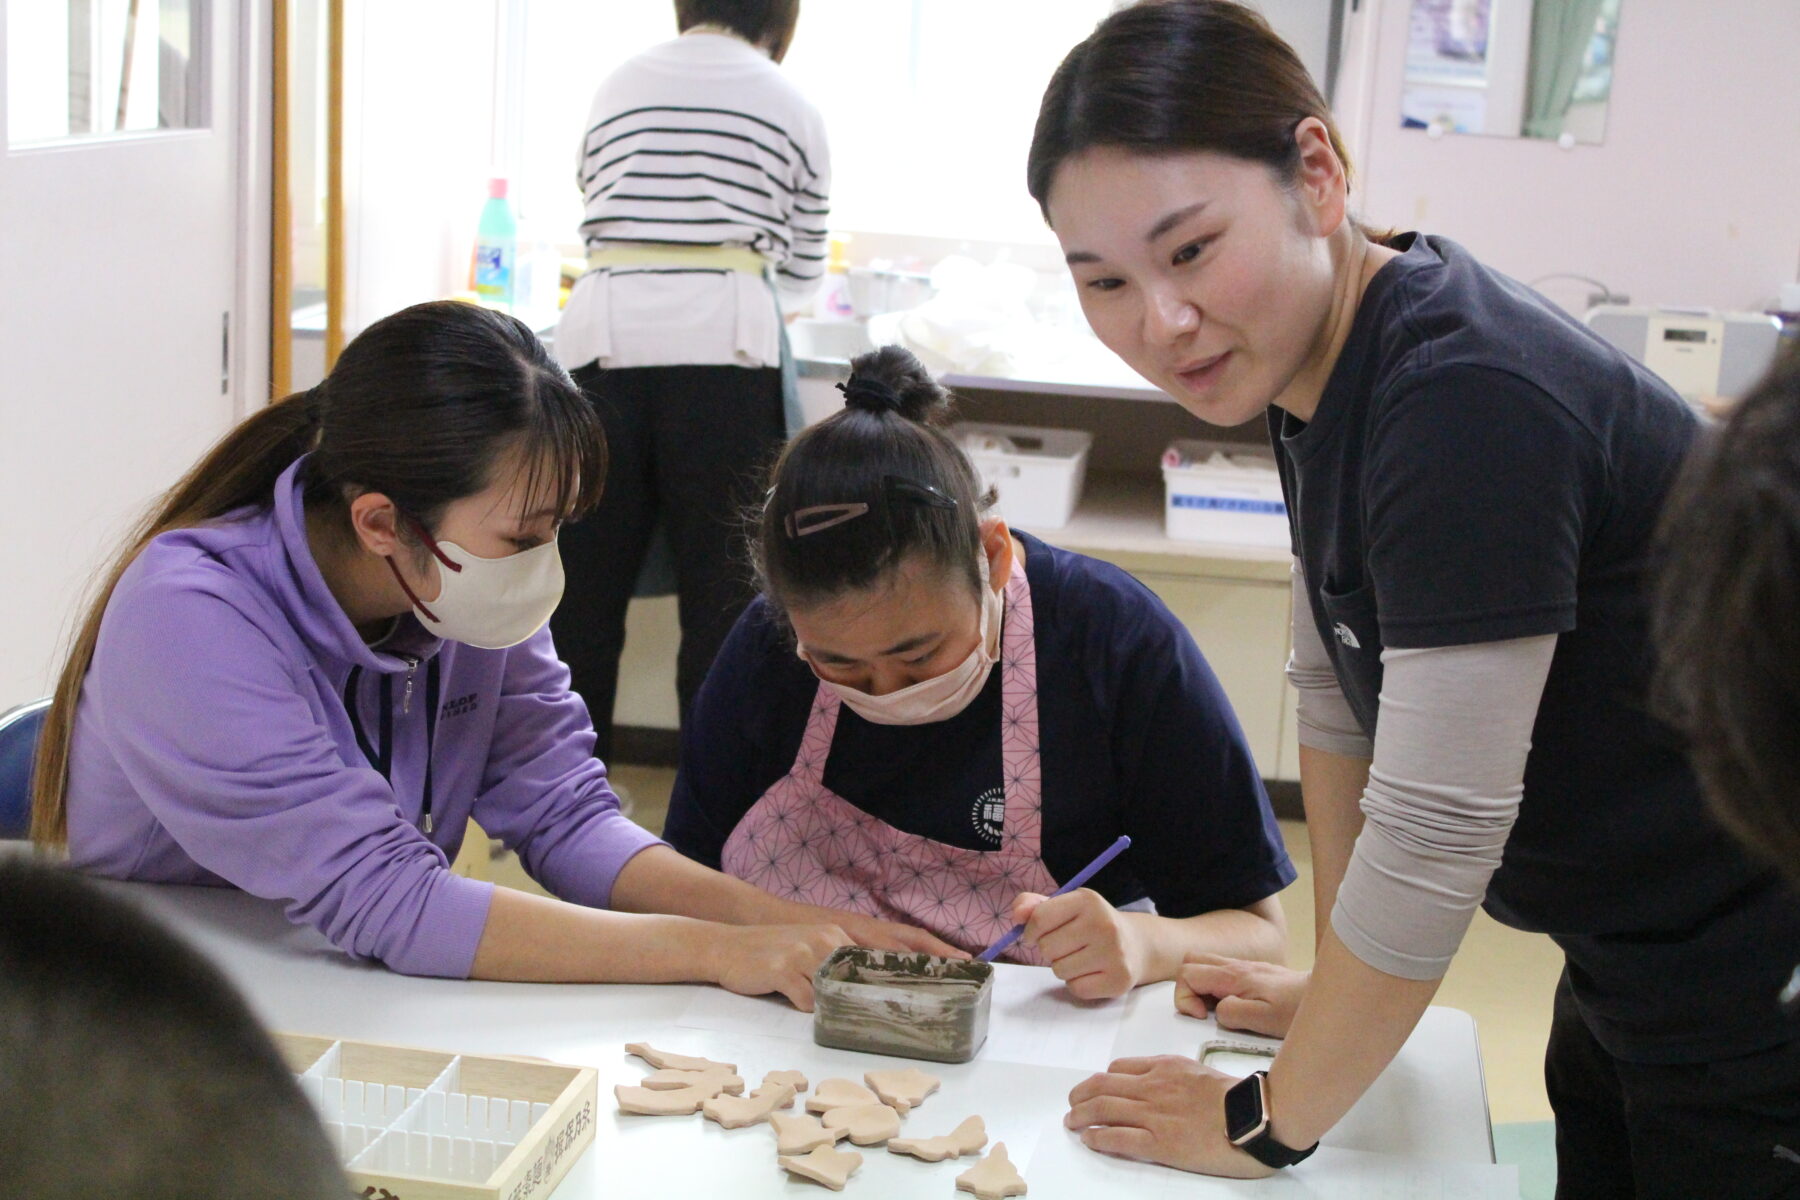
(715, 1081)
(680, 1062)
(800, 1134)
(966, 1138)
(735, 1112)
(868, 1124)
(793, 1079)
(838, 1093)
(648, 1102)
(902, 1090)
(824, 1165)
(994, 1177)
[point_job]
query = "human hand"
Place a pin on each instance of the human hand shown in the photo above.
(1168, 1110)
(1257, 997)
(757, 959)
(885, 935)
(1090, 945)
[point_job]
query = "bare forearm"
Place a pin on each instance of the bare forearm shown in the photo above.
(1352, 1022)
(536, 939)
(1258, 932)
(661, 880)
(1331, 788)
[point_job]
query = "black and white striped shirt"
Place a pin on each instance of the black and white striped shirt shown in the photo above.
(699, 140)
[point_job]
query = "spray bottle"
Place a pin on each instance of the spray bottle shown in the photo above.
(496, 250)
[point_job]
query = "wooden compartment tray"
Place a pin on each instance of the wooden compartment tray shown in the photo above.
(414, 1124)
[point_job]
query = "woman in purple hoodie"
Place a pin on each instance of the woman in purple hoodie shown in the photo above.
(326, 650)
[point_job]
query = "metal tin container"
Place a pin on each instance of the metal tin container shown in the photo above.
(911, 1005)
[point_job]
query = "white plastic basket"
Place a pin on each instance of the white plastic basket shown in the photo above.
(1038, 473)
(1227, 494)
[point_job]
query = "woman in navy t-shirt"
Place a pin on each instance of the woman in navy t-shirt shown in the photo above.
(1473, 479)
(931, 717)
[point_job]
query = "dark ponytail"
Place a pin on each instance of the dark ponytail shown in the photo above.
(422, 406)
(886, 454)
(1180, 76)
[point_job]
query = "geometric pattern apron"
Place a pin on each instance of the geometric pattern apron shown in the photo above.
(803, 842)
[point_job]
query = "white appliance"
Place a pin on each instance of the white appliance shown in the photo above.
(1701, 352)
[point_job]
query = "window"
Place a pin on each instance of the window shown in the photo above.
(83, 68)
(929, 104)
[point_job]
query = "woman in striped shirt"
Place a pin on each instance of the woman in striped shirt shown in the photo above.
(705, 174)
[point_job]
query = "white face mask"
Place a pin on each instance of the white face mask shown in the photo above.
(943, 696)
(490, 603)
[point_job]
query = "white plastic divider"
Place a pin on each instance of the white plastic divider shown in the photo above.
(355, 1112)
(440, 1131)
(453, 1135)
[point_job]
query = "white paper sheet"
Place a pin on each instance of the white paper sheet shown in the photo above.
(1061, 1168)
(1033, 1021)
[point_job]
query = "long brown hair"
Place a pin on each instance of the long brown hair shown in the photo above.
(421, 407)
(1180, 76)
(1727, 637)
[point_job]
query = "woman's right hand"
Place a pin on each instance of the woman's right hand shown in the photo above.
(877, 934)
(756, 959)
(1256, 997)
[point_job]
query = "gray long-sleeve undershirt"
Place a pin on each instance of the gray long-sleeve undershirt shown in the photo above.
(1444, 789)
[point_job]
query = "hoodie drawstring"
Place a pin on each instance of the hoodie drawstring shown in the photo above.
(381, 754)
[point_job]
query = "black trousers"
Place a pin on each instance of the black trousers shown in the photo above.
(685, 446)
(1726, 1130)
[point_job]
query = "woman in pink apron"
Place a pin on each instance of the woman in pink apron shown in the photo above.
(931, 718)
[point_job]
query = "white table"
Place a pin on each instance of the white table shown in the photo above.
(1430, 1104)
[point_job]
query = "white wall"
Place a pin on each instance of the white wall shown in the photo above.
(1306, 24)
(1694, 198)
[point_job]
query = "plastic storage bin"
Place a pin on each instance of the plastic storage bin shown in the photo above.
(913, 1005)
(1227, 494)
(409, 1122)
(1037, 472)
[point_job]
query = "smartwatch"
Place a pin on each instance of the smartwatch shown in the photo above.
(1247, 1124)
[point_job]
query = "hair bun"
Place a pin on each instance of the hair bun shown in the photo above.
(892, 379)
(870, 395)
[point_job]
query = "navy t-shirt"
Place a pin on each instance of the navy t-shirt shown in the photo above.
(1482, 467)
(1135, 736)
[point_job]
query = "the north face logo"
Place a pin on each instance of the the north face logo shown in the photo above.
(1345, 636)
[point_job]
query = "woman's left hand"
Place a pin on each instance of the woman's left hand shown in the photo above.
(1168, 1110)
(1090, 945)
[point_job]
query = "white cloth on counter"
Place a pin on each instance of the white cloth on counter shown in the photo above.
(701, 140)
(1004, 321)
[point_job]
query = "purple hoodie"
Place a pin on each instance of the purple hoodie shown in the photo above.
(214, 745)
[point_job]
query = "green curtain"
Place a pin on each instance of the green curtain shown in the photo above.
(1560, 33)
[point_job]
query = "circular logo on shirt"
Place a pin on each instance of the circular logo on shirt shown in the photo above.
(989, 815)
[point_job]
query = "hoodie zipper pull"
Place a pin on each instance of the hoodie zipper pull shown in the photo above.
(412, 665)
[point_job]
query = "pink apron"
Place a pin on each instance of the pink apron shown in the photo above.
(803, 842)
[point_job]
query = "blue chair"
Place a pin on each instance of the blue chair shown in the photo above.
(18, 748)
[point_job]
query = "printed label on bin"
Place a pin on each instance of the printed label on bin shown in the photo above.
(1273, 508)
